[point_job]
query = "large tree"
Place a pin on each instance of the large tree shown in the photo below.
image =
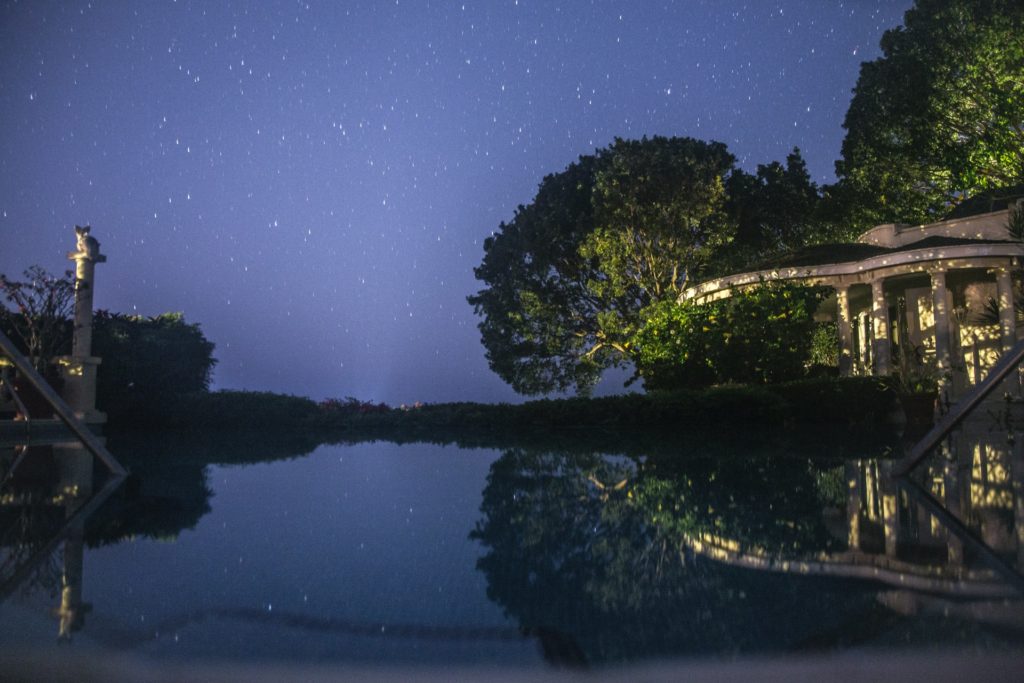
(940, 115)
(566, 280)
(776, 209)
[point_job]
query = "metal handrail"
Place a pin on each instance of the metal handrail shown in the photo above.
(6, 382)
(962, 532)
(1006, 364)
(62, 409)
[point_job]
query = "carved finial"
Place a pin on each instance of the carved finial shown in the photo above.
(87, 245)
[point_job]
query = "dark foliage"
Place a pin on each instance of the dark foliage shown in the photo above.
(149, 364)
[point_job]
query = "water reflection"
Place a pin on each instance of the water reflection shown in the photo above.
(47, 494)
(635, 557)
(593, 557)
(56, 500)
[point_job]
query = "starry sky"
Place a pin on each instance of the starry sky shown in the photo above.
(312, 182)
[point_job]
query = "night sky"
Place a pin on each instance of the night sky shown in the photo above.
(312, 182)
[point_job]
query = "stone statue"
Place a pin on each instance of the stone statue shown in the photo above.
(87, 244)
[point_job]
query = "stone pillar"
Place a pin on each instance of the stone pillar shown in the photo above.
(864, 335)
(845, 331)
(1007, 312)
(880, 324)
(942, 331)
(80, 367)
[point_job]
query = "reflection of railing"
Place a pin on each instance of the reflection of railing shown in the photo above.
(1000, 371)
(960, 530)
(1006, 365)
(24, 568)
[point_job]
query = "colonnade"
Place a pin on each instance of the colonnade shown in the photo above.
(874, 323)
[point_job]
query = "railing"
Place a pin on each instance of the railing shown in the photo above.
(1006, 364)
(6, 384)
(60, 408)
(1003, 368)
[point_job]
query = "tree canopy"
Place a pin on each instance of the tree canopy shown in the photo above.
(569, 278)
(148, 362)
(598, 549)
(940, 116)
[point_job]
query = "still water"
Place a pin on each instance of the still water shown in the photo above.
(283, 550)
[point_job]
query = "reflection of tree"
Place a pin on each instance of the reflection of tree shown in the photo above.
(769, 504)
(49, 513)
(608, 568)
(167, 491)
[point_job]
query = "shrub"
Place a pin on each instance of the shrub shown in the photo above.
(825, 345)
(759, 336)
(148, 363)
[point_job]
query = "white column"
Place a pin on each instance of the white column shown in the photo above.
(942, 331)
(79, 369)
(845, 331)
(1007, 314)
(880, 322)
(864, 333)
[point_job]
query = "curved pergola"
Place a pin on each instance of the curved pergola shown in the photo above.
(913, 262)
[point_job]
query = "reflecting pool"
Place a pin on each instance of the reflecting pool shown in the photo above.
(284, 550)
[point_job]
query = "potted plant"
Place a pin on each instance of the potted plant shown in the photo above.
(917, 383)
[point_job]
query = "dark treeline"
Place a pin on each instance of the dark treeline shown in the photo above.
(798, 417)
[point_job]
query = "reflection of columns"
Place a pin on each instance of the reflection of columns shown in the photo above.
(890, 518)
(940, 309)
(851, 469)
(845, 331)
(1017, 484)
(1007, 313)
(951, 495)
(880, 322)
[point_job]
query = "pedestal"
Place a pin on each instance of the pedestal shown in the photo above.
(80, 387)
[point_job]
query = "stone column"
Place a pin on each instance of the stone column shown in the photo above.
(942, 331)
(880, 322)
(80, 367)
(845, 331)
(864, 335)
(1007, 312)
